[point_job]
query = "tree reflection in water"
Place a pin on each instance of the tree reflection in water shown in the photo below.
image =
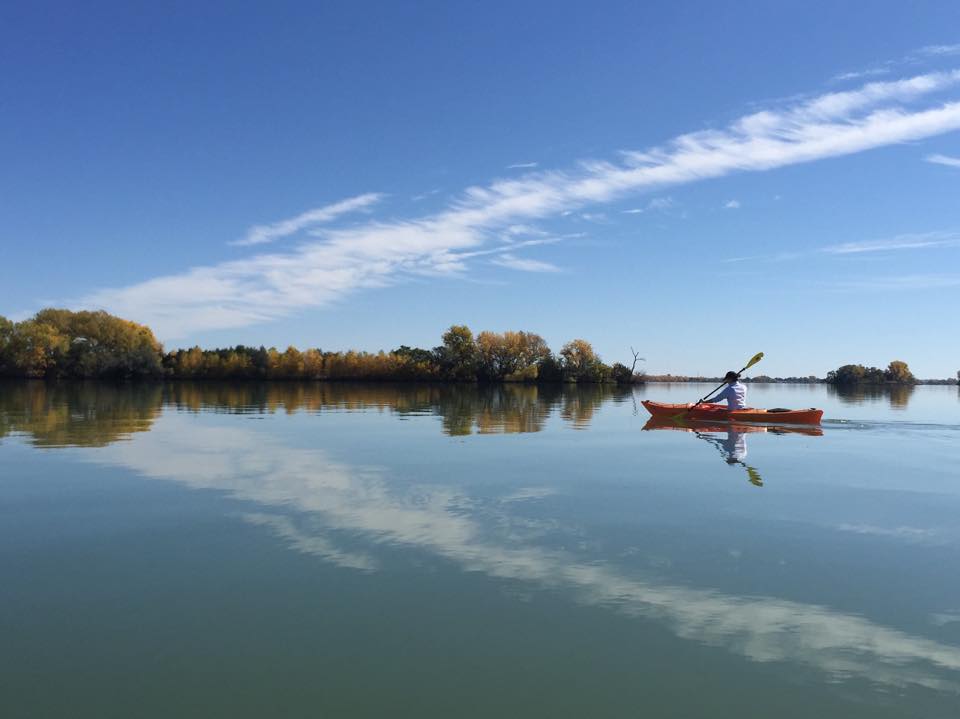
(77, 414)
(897, 394)
(94, 414)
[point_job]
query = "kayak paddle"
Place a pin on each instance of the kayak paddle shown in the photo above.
(753, 360)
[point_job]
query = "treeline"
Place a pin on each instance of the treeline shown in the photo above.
(897, 372)
(488, 357)
(58, 343)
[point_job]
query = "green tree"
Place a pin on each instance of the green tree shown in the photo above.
(899, 372)
(458, 354)
(847, 374)
(6, 339)
(58, 342)
(291, 363)
(511, 355)
(621, 374)
(579, 360)
(36, 349)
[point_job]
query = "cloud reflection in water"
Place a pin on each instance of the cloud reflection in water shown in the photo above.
(291, 483)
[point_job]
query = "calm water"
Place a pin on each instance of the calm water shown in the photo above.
(311, 550)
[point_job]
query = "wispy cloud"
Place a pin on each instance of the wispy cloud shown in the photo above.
(916, 57)
(895, 283)
(593, 216)
(521, 230)
(377, 253)
(940, 50)
(910, 241)
(860, 74)
(657, 203)
(522, 165)
(512, 262)
(732, 205)
(262, 234)
(778, 257)
(943, 160)
(900, 242)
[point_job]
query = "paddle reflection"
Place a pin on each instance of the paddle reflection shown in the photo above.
(729, 439)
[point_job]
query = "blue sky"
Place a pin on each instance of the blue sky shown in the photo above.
(700, 182)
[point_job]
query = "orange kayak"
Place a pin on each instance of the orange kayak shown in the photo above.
(720, 413)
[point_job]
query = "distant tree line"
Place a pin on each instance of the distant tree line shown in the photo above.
(897, 372)
(462, 357)
(59, 343)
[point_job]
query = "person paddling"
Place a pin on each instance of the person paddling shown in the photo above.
(735, 392)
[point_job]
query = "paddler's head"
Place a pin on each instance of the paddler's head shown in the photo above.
(731, 377)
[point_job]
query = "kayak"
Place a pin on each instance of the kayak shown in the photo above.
(720, 413)
(708, 426)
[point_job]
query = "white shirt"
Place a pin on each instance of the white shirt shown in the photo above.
(735, 394)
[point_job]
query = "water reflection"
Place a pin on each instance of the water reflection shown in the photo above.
(94, 414)
(332, 507)
(81, 414)
(897, 395)
(350, 515)
(729, 439)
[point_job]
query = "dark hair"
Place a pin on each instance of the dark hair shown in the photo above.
(730, 376)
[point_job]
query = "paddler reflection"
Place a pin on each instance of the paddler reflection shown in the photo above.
(730, 439)
(734, 451)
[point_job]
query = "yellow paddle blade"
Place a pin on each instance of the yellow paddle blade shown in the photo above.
(755, 479)
(756, 358)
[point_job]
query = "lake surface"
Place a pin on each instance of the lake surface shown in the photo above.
(315, 550)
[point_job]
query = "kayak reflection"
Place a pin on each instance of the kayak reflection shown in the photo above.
(732, 446)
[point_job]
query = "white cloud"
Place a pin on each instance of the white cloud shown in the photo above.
(922, 55)
(857, 75)
(261, 234)
(375, 254)
(522, 165)
(518, 230)
(657, 203)
(912, 241)
(940, 50)
(732, 205)
(900, 242)
(513, 262)
(943, 160)
(899, 282)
